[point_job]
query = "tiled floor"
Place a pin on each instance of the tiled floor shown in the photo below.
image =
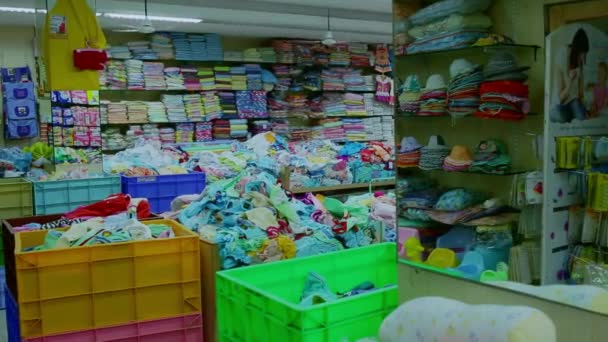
(3, 334)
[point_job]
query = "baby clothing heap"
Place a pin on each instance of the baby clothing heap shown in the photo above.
(491, 156)
(433, 154)
(433, 98)
(463, 90)
(504, 94)
(409, 99)
(459, 159)
(409, 155)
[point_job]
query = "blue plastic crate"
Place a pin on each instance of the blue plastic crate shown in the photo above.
(161, 190)
(58, 197)
(12, 317)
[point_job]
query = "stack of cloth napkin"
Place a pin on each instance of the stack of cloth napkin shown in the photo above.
(156, 112)
(211, 105)
(409, 99)
(459, 160)
(162, 45)
(409, 154)
(174, 78)
(433, 154)
(463, 90)
(154, 78)
(491, 156)
(504, 94)
(135, 75)
(238, 128)
(433, 98)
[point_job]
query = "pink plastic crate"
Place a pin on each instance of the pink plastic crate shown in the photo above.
(188, 328)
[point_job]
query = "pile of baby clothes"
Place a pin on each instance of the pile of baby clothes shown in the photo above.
(463, 90)
(409, 154)
(504, 93)
(433, 154)
(433, 99)
(254, 221)
(409, 99)
(459, 160)
(492, 157)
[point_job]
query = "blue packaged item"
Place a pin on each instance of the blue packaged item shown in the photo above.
(61, 96)
(19, 91)
(68, 117)
(22, 129)
(16, 75)
(20, 109)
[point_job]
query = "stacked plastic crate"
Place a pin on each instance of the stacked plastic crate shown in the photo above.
(146, 290)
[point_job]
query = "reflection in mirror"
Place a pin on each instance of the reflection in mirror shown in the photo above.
(472, 197)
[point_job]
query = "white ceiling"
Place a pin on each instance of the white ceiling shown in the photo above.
(351, 20)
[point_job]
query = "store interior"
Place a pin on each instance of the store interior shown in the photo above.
(275, 170)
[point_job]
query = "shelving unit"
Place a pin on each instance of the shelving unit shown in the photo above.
(125, 94)
(520, 136)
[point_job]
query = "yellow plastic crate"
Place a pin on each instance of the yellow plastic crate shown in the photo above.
(15, 198)
(90, 287)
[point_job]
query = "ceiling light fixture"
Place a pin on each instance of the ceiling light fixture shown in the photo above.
(329, 39)
(152, 18)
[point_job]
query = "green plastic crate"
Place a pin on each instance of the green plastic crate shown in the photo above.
(261, 303)
(15, 198)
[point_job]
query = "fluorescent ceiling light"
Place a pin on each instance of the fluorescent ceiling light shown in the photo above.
(19, 10)
(27, 10)
(151, 17)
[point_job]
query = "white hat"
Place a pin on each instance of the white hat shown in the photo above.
(434, 82)
(460, 66)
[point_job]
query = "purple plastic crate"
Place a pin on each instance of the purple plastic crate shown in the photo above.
(161, 190)
(12, 317)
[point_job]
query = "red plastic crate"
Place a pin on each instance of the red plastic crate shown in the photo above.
(188, 328)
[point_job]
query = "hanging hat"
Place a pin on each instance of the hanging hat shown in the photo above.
(435, 82)
(501, 63)
(461, 66)
(409, 144)
(460, 156)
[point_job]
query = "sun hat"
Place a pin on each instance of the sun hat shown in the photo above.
(461, 66)
(409, 144)
(435, 82)
(436, 142)
(460, 156)
(411, 84)
(503, 62)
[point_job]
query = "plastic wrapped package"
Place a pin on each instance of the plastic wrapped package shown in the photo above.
(445, 8)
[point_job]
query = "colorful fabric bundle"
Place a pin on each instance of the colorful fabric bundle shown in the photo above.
(463, 90)
(504, 95)
(409, 99)
(433, 98)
